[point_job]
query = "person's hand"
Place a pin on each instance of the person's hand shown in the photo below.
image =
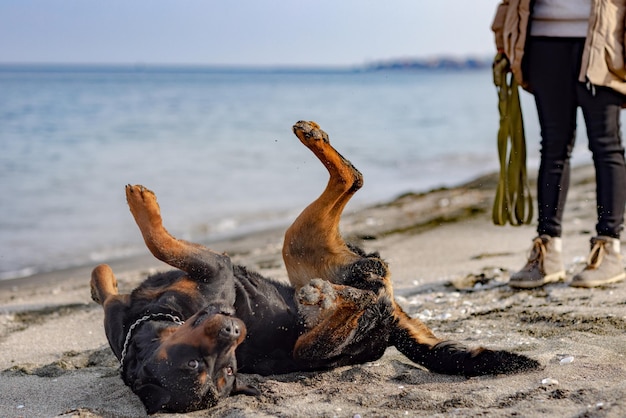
(501, 62)
(501, 67)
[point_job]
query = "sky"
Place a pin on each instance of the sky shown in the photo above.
(242, 32)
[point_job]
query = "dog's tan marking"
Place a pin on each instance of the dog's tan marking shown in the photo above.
(184, 285)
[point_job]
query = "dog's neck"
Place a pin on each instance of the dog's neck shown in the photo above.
(148, 317)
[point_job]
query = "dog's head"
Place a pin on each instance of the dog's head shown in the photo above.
(194, 365)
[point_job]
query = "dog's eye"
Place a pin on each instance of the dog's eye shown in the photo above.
(193, 364)
(229, 371)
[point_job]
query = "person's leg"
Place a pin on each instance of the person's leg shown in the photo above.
(551, 66)
(601, 109)
(552, 72)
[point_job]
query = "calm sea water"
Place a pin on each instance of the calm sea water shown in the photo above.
(217, 148)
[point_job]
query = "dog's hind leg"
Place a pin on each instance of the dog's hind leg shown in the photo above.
(338, 331)
(313, 245)
(195, 259)
(413, 339)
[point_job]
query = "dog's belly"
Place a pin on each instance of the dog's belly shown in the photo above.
(269, 311)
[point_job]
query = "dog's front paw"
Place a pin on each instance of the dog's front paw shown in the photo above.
(318, 292)
(315, 300)
(143, 205)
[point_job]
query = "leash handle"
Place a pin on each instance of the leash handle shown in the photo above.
(513, 201)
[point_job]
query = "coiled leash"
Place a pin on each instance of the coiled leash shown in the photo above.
(513, 201)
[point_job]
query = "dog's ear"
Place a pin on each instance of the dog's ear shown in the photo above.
(241, 389)
(154, 397)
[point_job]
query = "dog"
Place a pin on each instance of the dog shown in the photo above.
(182, 336)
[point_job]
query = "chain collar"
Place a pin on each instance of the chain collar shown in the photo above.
(141, 320)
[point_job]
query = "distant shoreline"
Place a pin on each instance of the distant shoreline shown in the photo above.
(403, 64)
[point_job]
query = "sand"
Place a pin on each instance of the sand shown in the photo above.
(449, 264)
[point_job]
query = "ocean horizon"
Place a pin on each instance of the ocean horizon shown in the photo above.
(216, 146)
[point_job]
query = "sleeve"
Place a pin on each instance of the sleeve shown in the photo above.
(498, 24)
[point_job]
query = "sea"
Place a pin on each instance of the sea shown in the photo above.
(216, 145)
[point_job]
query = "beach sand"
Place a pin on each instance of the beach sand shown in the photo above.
(449, 266)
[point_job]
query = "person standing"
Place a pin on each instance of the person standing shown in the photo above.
(570, 54)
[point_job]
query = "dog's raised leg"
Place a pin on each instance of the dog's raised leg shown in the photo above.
(313, 246)
(145, 209)
(197, 260)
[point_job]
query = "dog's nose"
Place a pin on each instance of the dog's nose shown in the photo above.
(230, 330)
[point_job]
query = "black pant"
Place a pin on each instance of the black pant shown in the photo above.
(552, 66)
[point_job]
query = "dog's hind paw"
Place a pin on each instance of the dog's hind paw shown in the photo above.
(368, 274)
(309, 132)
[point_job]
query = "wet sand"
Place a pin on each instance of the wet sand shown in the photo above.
(449, 266)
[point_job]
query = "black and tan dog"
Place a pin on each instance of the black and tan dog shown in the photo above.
(180, 336)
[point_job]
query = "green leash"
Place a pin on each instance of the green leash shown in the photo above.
(513, 202)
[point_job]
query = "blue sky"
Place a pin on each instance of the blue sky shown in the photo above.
(242, 32)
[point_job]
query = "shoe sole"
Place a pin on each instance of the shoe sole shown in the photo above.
(531, 284)
(597, 283)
